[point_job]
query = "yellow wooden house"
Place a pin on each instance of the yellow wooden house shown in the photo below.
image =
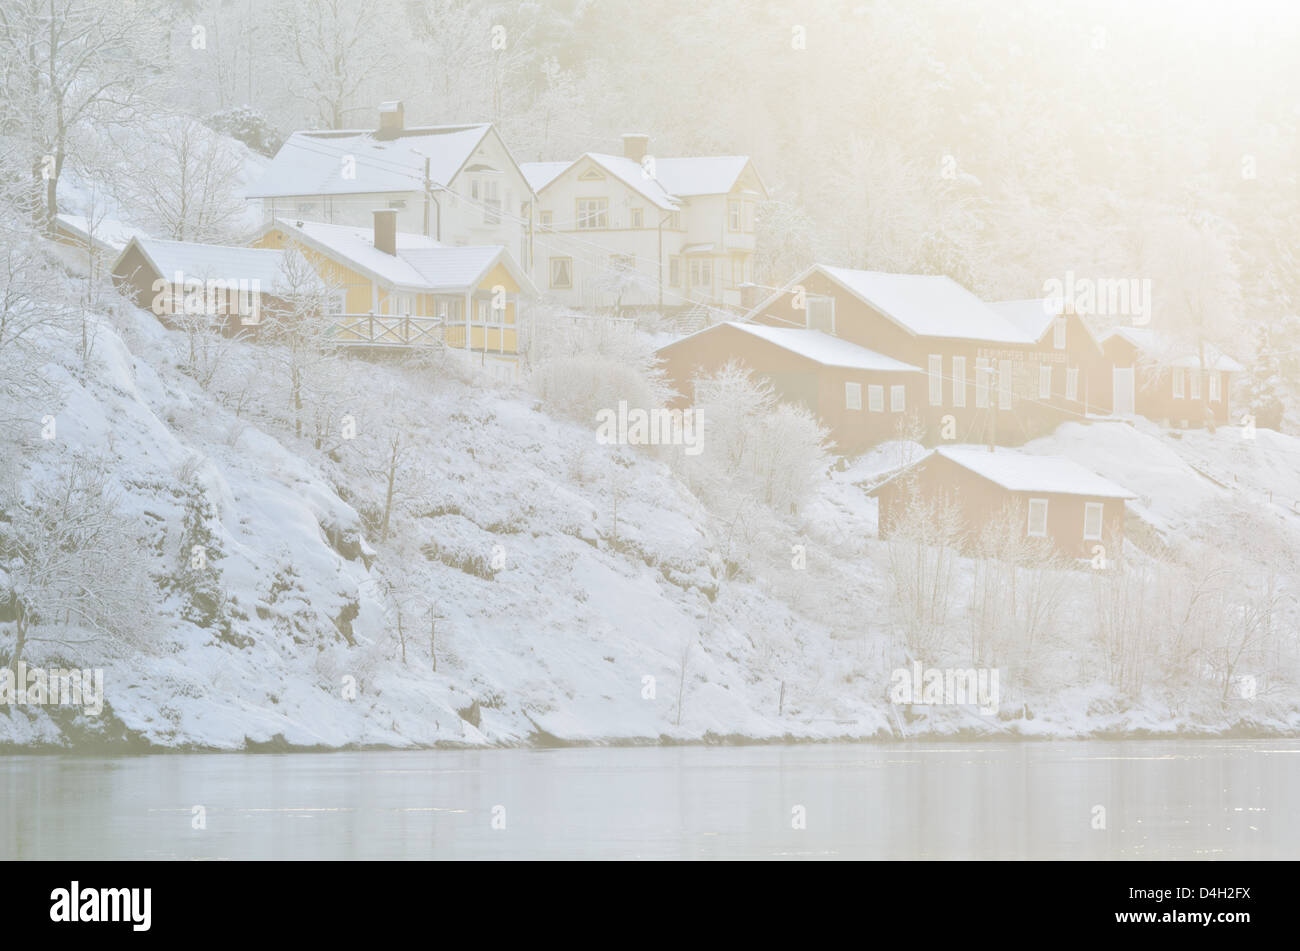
(400, 289)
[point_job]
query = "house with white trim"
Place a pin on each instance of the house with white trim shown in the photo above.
(643, 231)
(456, 184)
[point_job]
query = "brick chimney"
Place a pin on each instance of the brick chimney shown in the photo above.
(392, 117)
(386, 230)
(635, 145)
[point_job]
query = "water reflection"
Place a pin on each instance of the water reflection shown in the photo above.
(1161, 799)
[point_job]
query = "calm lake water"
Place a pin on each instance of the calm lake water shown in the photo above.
(1166, 799)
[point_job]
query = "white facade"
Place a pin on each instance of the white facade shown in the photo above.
(477, 194)
(609, 230)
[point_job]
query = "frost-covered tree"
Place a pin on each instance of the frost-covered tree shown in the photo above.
(71, 563)
(64, 65)
(186, 187)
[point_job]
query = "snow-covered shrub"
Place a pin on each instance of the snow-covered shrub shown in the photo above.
(74, 567)
(249, 126)
(752, 445)
(920, 561)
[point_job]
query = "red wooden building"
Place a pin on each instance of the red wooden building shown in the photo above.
(1146, 374)
(1052, 497)
(861, 396)
(1008, 371)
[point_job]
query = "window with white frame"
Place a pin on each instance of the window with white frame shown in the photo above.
(489, 194)
(936, 379)
(1072, 383)
(733, 215)
(1180, 379)
(1092, 513)
(821, 314)
(1045, 382)
(544, 219)
(1004, 384)
(701, 272)
(875, 398)
(637, 218)
(1196, 384)
(1038, 518)
(981, 382)
(1214, 386)
(897, 398)
(959, 381)
(853, 396)
(1058, 333)
(593, 213)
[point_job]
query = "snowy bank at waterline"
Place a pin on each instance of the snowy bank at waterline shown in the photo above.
(538, 587)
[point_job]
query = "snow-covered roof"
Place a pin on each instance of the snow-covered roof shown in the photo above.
(822, 348)
(312, 163)
(674, 178)
(927, 305)
(1160, 348)
(205, 262)
(541, 174)
(634, 176)
(1032, 317)
(706, 175)
(1023, 472)
(420, 264)
(109, 233)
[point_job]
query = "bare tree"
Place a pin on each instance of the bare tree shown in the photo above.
(72, 566)
(62, 63)
(188, 189)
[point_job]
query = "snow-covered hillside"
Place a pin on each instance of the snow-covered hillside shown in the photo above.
(574, 592)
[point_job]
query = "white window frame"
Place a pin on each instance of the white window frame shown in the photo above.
(1216, 387)
(1058, 333)
(808, 314)
(853, 396)
(1089, 508)
(1072, 384)
(1045, 381)
(593, 214)
(982, 382)
(959, 382)
(1180, 382)
(875, 398)
(897, 398)
(1041, 504)
(1195, 388)
(1004, 384)
(936, 379)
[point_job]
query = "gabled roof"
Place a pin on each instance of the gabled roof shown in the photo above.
(421, 263)
(1023, 472)
(1162, 350)
(1034, 317)
(541, 174)
(706, 175)
(923, 305)
(205, 262)
(816, 346)
(109, 233)
(674, 178)
(312, 163)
